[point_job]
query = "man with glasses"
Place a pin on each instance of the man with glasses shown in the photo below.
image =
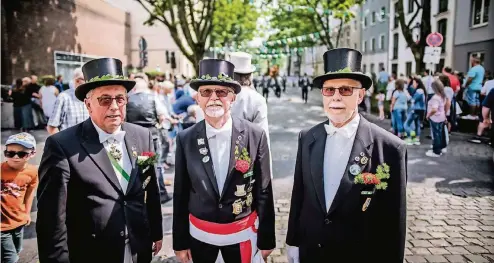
(348, 201)
(223, 199)
(68, 110)
(98, 196)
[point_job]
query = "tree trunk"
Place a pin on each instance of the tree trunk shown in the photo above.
(289, 64)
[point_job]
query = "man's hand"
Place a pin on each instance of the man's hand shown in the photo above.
(184, 256)
(265, 254)
(28, 220)
(157, 247)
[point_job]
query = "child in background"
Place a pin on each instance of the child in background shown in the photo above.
(380, 104)
(436, 113)
(19, 182)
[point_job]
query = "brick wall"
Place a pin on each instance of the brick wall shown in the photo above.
(37, 28)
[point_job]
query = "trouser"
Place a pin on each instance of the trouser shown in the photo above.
(277, 92)
(305, 94)
(207, 253)
(11, 244)
(399, 119)
(414, 117)
(265, 93)
(438, 136)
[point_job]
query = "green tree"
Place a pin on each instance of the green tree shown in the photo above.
(417, 47)
(234, 22)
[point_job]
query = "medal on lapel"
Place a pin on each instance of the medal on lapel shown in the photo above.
(355, 169)
(200, 141)
(237, 207)
(203, 151)
(146, 182)
(240, 190)
(205, 159)
(248, 200)
(366, 204)
(134, 151)
(364, 160)
(115, 153)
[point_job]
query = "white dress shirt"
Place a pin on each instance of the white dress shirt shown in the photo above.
(124, 162)
(339, 145)
(219, 141)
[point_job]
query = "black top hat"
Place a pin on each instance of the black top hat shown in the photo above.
(343, 63)
(102, 72)
(215, 72)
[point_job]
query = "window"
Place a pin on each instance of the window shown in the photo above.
(395, 45)
(383, 13)
(394, 68)
(480, 12)
(373, 18)
(365, 21)
(408, 67)
(442, 26)
(373, 44)
(381, 42)
(364, 46)
(348, 42)
(364, 68)
(381, 66)
(372, 68)
(478, 54)
(443, 6)
(410, 6)
(395, 20)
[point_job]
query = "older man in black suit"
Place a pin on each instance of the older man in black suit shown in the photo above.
(98, 199)
(349, 194)
(223, 200)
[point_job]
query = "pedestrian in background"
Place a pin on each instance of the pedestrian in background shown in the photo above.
(23, 109)
(19, 182)
(48, 95)
(399, 107)
(436, 114)
(416, 115)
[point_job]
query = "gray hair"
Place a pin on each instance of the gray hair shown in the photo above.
(78, 73)
(89, 94)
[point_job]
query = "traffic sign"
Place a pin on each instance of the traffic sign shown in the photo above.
(434, 39)
(432, 55)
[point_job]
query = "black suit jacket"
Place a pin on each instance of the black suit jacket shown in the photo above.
(346, 233)
(82, 209)
(196, 191)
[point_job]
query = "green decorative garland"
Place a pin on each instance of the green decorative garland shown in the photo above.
(220, 77)
(345, 70)
(107, 77)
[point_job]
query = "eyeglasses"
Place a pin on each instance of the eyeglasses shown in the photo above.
(343, 90)
(220, 93)
(106, 101)
(11, 154)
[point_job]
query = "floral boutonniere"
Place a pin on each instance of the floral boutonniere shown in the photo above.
(382, 173)
(242, 160)
(146, 160)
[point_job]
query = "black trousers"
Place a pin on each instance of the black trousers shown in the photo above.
(265, 93)
(206, 253)
(305, 93)
(277, 92)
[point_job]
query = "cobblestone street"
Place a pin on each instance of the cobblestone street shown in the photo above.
(450, 199)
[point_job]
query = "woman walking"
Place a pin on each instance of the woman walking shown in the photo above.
(48, 95)
(399, 107)
(23, 110)
(436, 113)
(416, 114)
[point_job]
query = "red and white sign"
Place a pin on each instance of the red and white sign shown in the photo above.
(434, 39)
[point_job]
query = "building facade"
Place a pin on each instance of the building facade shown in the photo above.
(54, 37)
(474, 34)
(401, 59)
(374, 35)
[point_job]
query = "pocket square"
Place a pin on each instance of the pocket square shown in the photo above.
(146, 182)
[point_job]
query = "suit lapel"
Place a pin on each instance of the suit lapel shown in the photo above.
(316, 158)
(361, 146)
(131, 145)
(98, 154)
(202, 143)
(237, 136)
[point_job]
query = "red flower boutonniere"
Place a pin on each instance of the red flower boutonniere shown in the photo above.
(382, 173)
(242, 160)
(146, 160)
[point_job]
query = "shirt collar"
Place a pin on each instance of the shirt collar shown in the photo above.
(104, 136)
(347, 131)
(226, 130)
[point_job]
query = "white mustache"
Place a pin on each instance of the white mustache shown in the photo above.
(212, 104)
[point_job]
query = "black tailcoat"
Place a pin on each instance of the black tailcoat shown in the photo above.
(344, 232)
(82, 209)
(196, 190)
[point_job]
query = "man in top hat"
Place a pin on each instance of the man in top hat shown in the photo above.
(98, 199)
(349, 194)
(223, 201)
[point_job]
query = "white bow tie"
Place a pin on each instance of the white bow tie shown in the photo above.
(117, 136)
(218, 133)
(330, 129)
